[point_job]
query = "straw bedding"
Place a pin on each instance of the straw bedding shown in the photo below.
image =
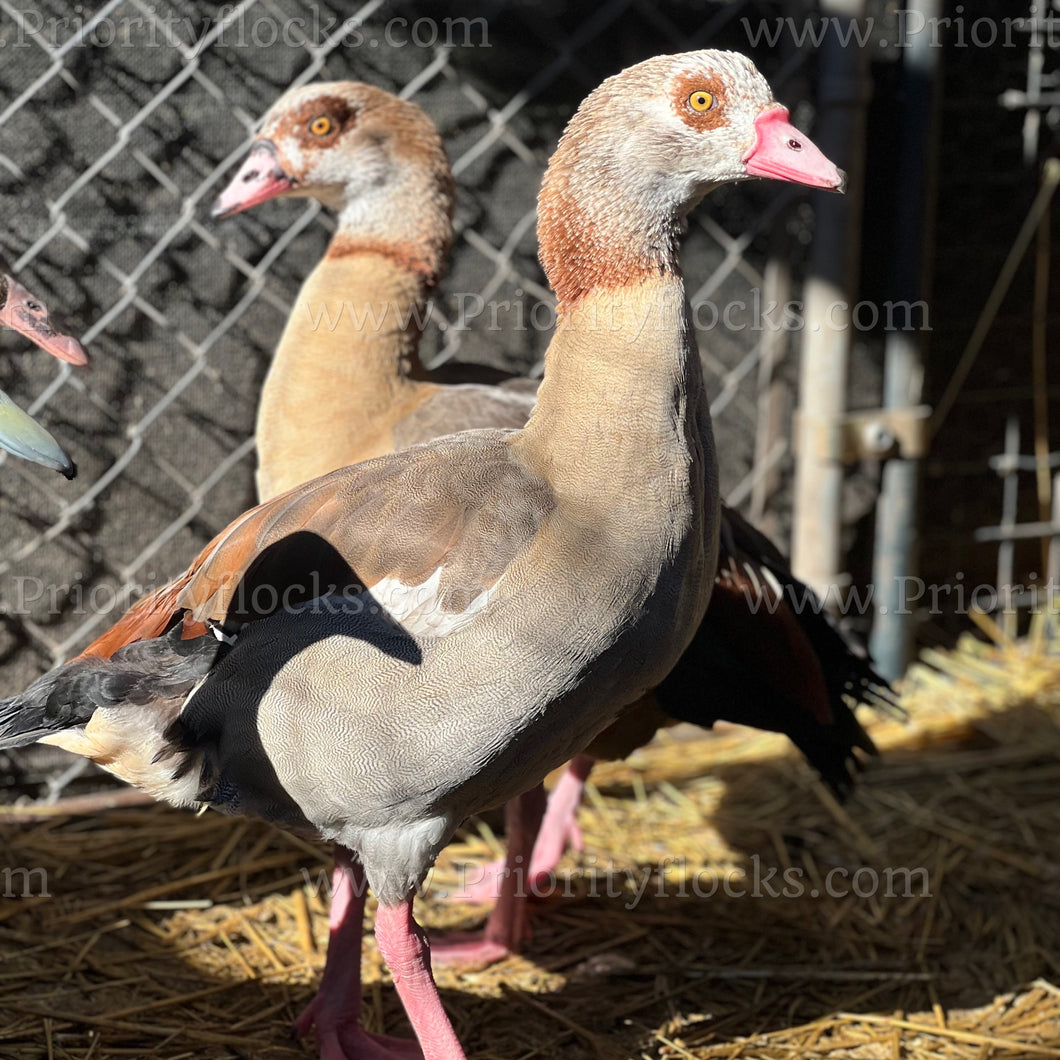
(145, 932)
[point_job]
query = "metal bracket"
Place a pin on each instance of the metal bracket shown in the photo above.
(871, 434)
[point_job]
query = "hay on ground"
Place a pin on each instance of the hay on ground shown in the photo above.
(145, 932)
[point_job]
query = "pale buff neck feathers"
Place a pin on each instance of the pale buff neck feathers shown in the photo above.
(347, 369)
(635, 336)
(343, 373)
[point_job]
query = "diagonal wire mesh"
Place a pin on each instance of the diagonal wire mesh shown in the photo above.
(120, 123)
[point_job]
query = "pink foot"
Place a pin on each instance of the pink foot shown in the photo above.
(467, 949)
(347, 1040)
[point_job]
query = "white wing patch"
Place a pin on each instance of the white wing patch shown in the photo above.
(419, 607)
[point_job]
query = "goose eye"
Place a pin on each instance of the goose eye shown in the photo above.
(321, 126)
(701, 100)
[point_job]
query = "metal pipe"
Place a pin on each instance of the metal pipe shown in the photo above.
(1010, 498)
(823, 369)
(895, 553)
(1049, 528)
(772, 433)
(770, 428)
(1052, 571)
(1040, 371)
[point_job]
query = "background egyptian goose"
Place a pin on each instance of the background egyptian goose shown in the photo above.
(540, 579)
(379, 163)
(346, 382)
(20, 434)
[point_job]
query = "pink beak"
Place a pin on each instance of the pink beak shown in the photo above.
(29, 317)
(260, 178)
(782, 152)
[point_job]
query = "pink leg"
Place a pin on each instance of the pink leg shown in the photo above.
(506, 929)
(560, 826)
(407, 953)
(558, 830)
(336, 1009)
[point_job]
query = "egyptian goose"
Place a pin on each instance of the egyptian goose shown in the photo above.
(379, 163)
(20, 434)
(522, 586)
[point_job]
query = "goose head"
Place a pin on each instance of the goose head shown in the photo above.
(643, 150)
(28, 315)
(375, 159)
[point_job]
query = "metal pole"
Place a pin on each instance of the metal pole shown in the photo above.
(1040, 371)
(840, 132)
(895, 555)
(772, 432)
(1052, 571)
(770, 429)
(1006, 550)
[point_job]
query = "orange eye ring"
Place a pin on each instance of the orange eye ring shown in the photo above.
(321, 125)
(701, 100)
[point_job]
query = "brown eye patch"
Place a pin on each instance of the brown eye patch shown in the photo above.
(699, 101)
(321, 119)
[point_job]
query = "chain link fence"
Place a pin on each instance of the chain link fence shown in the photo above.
(120, 122)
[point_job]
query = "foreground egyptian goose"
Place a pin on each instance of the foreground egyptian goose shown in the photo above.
(348, 356)
(20, 434)
(379, 163)
(522, 586)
